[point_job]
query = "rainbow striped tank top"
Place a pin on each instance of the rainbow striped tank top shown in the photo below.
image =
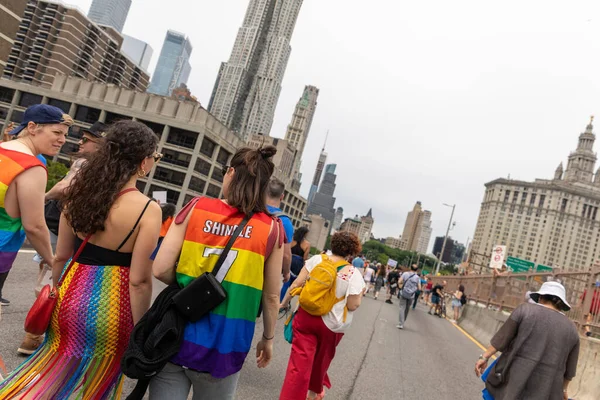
(219, 342)
(12, 235)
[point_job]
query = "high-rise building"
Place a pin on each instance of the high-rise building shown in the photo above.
(56, 39)
(110, 12)
(394, 243)
(337, 219)
(11, 14)
(248, 85)
(139, 51)
(299, 127)
(351, 225)
(173, 67)
(366, 226)
(447, 257)
(323, 201)
(317, 177)
(417, 230)
(552, 222)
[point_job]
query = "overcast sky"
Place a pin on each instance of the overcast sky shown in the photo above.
(425, 100)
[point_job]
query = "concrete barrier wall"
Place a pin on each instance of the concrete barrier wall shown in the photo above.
(482, 324)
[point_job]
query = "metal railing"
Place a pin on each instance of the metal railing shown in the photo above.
(505, 293)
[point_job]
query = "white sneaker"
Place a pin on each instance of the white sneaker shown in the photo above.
(400, 326)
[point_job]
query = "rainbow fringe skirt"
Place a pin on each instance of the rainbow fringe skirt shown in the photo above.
(90, 328)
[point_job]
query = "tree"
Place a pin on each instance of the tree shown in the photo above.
(379, 252)
(56, 172)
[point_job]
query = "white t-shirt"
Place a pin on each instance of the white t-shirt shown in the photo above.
(368, 274)
(346, 284)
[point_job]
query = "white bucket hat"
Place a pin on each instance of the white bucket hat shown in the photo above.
(552, 289)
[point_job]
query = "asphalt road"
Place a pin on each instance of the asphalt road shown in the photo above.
(429, 359)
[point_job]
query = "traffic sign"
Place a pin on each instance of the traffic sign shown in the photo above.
(543, 268)
(497, 258)
(519, 266)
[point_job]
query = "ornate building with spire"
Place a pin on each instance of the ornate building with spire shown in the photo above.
(551, 222)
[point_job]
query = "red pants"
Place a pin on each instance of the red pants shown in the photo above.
(313, 348)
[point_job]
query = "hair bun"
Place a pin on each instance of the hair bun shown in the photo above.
(267, 152)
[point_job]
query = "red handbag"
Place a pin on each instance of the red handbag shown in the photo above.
(39, 315)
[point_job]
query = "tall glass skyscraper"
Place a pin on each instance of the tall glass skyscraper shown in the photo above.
(110, 12)
(173, 66)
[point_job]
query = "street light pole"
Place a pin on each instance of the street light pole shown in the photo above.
(437, 269)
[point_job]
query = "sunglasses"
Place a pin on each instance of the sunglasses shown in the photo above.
(225, 169)
(157, 156)
(85, 139)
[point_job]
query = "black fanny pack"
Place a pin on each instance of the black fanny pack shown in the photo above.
(205, 292)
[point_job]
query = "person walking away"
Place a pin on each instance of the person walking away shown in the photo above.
(379, 279)
(315, 338)
(458, 299)
(436, 298)
(410, 284)
(91, 140)
(300, 248)
(275, 193)
(393, 278)
(113, 229)
(23, 180)
(215, 347)
(427, 291)
(359, 263)
(419, 292)
(540, 349)
(367, 278)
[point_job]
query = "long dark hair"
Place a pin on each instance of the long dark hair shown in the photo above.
(382, 270)
(168, 210)
(95, 187)
(253, 169)
(300, 234)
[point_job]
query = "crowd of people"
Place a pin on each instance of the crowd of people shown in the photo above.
(104, 241)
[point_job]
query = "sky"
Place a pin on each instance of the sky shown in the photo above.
(425, 101)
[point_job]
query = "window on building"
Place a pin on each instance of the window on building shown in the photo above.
(515, 196)
(223, 156)
(197, 184)
(524, 198)
(172, 195)
(16, 116)
(69, 148)
(188, 198)
(140, 185)
(507, 196)
(217, 175)
(112, 117)
(213, 191)
(87, 114)
(156, 128)
(176, 158)
(183, 138)
(63, 105)
(6, 95)
(208, 147)
(75, 131)
(29, 99)
(169, 176)
(202, 166)
(563, 205)
(542, 200)
(3, 113)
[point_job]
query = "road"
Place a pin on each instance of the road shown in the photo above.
(429, 359)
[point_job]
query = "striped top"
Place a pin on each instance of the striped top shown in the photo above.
(12, 235)
(219, 342)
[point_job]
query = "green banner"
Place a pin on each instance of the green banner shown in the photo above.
(543, 268)
(519, 266)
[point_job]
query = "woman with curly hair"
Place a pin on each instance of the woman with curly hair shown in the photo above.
(112, 229)
(315, 338)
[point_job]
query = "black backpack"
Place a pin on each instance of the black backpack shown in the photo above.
(463, 299)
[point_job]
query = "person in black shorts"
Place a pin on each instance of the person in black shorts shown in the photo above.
(436, 297)
(392, 283)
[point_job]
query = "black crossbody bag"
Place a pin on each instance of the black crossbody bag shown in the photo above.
(205, 292)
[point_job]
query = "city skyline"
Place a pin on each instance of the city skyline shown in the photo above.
(438, 133)
(173, 67)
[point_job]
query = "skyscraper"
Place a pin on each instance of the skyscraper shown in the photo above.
(110, 12)
(248, 85)
(366, 227)
(139, 51)
(317, 178)
(337, 220)
(299, 127)
(173, 66)
(323, 201)
(417, 230)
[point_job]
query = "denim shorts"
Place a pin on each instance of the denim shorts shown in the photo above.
(435, 299)
(456, 303)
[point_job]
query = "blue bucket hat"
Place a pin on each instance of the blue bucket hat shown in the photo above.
(40, 114)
